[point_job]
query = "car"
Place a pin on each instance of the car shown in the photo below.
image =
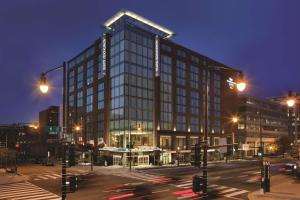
(296, 169)
(289, 167)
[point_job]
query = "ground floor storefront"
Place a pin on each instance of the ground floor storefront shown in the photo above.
(254, 144)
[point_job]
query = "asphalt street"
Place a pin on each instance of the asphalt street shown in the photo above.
(226, 181)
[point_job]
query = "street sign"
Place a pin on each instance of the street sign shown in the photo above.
(53, 129)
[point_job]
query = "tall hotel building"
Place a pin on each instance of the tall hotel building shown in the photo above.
(135, 84)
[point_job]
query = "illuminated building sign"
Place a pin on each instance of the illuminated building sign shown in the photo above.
(231, 83)
(156, 55)
(104, 54)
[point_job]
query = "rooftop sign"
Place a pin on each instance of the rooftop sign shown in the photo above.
(139, 18)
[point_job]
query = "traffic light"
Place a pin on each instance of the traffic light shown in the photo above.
(197, 183)
(196, 155)
(197, 159)
(73, 183)
(17, 146)
(259, 153)
(71, 156)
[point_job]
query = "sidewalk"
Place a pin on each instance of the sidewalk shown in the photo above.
(188, 164)
(285, 189)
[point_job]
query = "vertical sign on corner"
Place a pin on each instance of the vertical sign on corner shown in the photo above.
(157, 47)
(104, 54)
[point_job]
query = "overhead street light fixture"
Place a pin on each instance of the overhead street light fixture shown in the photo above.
(43, 85)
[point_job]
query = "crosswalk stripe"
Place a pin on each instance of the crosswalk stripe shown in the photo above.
(229, 190)
(15, 185)
(23, 194)
(220, 188)
(212, 186)
(183, 185)
(50, 176)
(40, 196)
(25, 190)
(43, 177)
(236, 193)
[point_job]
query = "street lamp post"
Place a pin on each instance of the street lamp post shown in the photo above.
(235, 121)
(241, 86)
(292, 103)
(261, 151)
(44, 88)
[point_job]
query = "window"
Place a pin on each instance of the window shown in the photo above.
(180, 73)
(181, 142)
(90, 52)
(181, 53)
(101, 96)
(165, 142)
(80, 99)
(195, 103)
(90, 72)
(166, 93)
(195, 59)
(80, 77)
(194, 77)
(89, 100)
(180, 123)
(71, 81)
(165, 47)
(180, 100)
(71, 100)
(194, 124)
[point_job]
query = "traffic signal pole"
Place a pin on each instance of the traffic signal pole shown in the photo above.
(63, 173)
(261, 149)
(205, 142)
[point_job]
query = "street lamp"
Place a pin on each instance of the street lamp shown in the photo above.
(44, 88)
(240, 85)
(235, 119)
(77, 128)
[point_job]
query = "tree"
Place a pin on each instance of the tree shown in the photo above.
(284, 145)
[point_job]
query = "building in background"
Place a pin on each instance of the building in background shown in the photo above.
(268, 115)
(16, 141)
(49, 131)
(290, 112)
(135, 84)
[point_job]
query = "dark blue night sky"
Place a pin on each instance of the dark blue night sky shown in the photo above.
(260, 37)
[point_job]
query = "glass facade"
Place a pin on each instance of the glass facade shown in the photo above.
(131, 76)
(166, 115)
